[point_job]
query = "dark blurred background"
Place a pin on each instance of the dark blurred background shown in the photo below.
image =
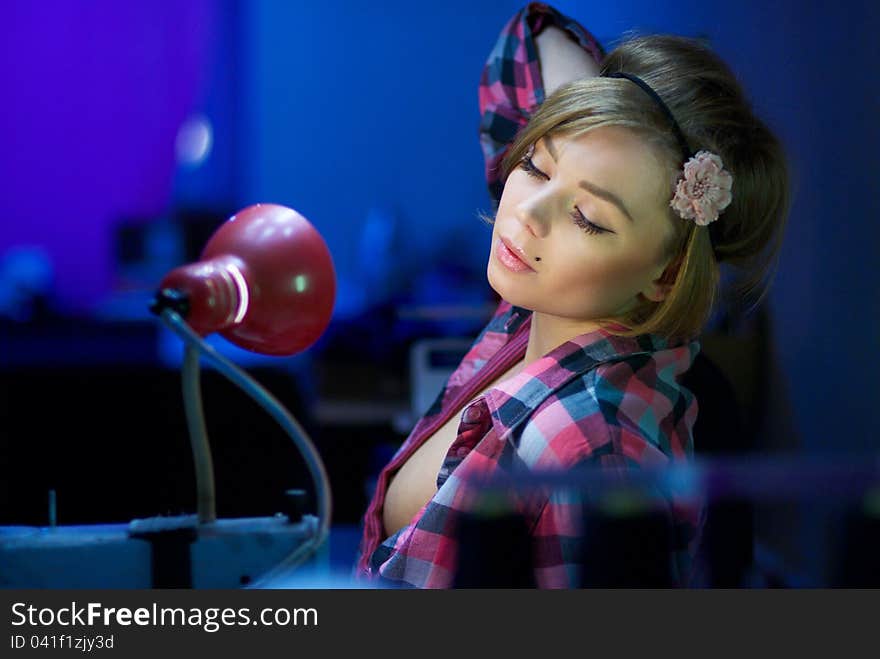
(132, 130)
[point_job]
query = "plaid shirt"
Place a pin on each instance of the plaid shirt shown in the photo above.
(597, 399)
(511, 88)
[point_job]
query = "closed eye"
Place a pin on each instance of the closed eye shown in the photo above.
(576, 215)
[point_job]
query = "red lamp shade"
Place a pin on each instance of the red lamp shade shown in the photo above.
(265, 281)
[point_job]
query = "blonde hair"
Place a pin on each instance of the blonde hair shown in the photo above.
(714, 114)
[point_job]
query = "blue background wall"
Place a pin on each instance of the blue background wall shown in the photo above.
(364, 118)
(387, 114)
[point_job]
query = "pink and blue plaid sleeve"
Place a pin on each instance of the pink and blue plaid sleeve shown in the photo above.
(635, 426)
(511, 87)
(566, 547)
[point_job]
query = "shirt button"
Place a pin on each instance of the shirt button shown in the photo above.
(473, 414)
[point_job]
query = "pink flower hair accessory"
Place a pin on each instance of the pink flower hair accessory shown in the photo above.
(704, 189)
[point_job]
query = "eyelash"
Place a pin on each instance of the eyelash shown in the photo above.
(576, 215)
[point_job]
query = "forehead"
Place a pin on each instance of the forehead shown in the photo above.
(618, 160)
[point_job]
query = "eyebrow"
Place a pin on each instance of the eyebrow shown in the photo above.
(602, 193)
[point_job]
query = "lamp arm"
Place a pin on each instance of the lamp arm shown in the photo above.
(275, 409)
(198, 435)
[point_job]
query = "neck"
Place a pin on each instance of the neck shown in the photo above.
(548, 332)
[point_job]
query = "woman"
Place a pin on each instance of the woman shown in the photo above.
(616, 199)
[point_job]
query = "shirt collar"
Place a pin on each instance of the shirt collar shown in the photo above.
(530, 387)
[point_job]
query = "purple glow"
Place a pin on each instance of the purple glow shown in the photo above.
(95, 94)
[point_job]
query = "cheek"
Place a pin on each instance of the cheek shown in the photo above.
(518, 186)
(597, 268)
(507, 197)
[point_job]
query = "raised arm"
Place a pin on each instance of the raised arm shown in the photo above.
(562, 59)
(538, 50)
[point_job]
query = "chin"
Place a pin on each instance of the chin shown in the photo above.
(494, 283)
(506, 292)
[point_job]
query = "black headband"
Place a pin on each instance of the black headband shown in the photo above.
(682, 141)
(685, 149)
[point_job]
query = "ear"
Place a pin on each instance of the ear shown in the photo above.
(659, 288)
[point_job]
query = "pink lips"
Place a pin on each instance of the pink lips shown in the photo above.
(511, 256)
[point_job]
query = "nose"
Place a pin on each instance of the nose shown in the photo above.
(534, 213)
